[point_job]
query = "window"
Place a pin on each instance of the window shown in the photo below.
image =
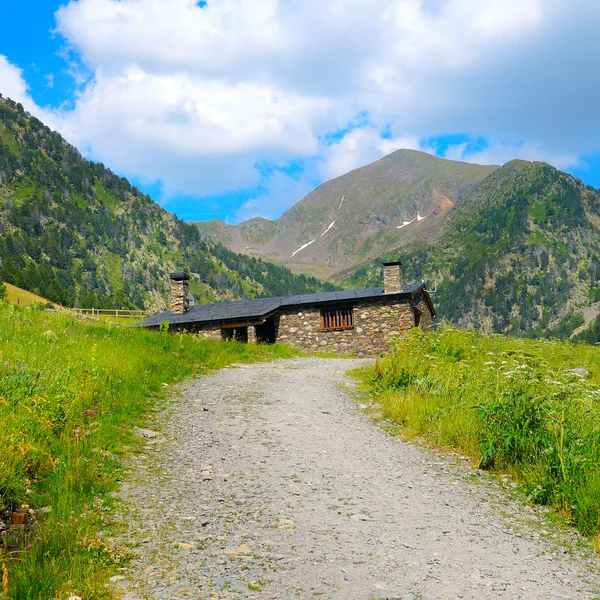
(337, 318)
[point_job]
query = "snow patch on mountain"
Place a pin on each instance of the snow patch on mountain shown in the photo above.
(405, 223)
(418, 218)
(330, 226)
(302, 247)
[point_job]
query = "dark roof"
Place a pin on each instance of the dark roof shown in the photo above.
(260, 308)
(180, 276)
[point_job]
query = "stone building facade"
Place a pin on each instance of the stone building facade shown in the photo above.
(358, 322)
(375, 325)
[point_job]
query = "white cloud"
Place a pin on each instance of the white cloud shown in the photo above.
(197, 96)
(12, 82)
(499, 154)
(283, 192)
(197, 135)
(360, 147)
(14, 86)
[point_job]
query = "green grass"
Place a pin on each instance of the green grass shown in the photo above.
(70, 396)
(113, 266)
(508, 403)
(16, 295)
(107, 199)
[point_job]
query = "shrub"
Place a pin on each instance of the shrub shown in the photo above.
(509, 403)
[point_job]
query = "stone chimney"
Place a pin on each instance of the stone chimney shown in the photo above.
(180, 292)
(392, 277)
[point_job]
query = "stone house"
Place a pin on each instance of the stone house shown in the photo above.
(359, 322)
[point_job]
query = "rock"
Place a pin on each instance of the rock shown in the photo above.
(579, 371)
(20, 517)
(183, 545)
(243, 549)
(2, 526)
(147, 433)
(285, 524)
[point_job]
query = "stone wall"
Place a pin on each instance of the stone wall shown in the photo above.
(376, 323)
(214, 332)
(206, 332)
(426, 319)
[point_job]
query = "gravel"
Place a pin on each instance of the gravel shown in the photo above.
(271, 483)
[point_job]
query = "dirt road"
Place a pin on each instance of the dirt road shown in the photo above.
(271, 483)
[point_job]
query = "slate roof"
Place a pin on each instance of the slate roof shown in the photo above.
(259, 308)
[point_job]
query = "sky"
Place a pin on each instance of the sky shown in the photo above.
(238, 108)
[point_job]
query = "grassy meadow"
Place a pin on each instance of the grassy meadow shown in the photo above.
(510, 404)
(16, 295)
(70, 395)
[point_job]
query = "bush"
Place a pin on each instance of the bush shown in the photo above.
(509, 403)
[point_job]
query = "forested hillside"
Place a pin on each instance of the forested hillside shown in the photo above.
(76, 233)
(520, 255)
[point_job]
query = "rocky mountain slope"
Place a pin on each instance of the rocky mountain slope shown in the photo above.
(521, 255)
(512, 249)
(74, 232)
(357, 216)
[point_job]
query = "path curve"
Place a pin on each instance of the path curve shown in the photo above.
(271, 483)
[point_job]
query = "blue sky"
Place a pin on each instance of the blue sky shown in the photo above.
(232, 109)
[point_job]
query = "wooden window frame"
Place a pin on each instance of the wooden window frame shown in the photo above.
(337, 319)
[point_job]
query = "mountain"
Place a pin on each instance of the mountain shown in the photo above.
(357, 216)
(520, 255)
(76, 233)
(512, 249)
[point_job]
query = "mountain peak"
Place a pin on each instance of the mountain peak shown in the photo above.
(358, 215)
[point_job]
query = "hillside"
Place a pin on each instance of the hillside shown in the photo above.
(520, 255)
(512, 249)
(77, 234)
(16, 295)
(357, 216)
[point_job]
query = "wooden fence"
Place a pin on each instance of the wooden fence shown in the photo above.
(110, 312)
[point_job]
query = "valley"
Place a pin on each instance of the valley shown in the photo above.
(512, 249)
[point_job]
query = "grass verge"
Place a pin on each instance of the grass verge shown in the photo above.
(510, 404)
(70, 396)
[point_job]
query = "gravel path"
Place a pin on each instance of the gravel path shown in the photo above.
(271, 483)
